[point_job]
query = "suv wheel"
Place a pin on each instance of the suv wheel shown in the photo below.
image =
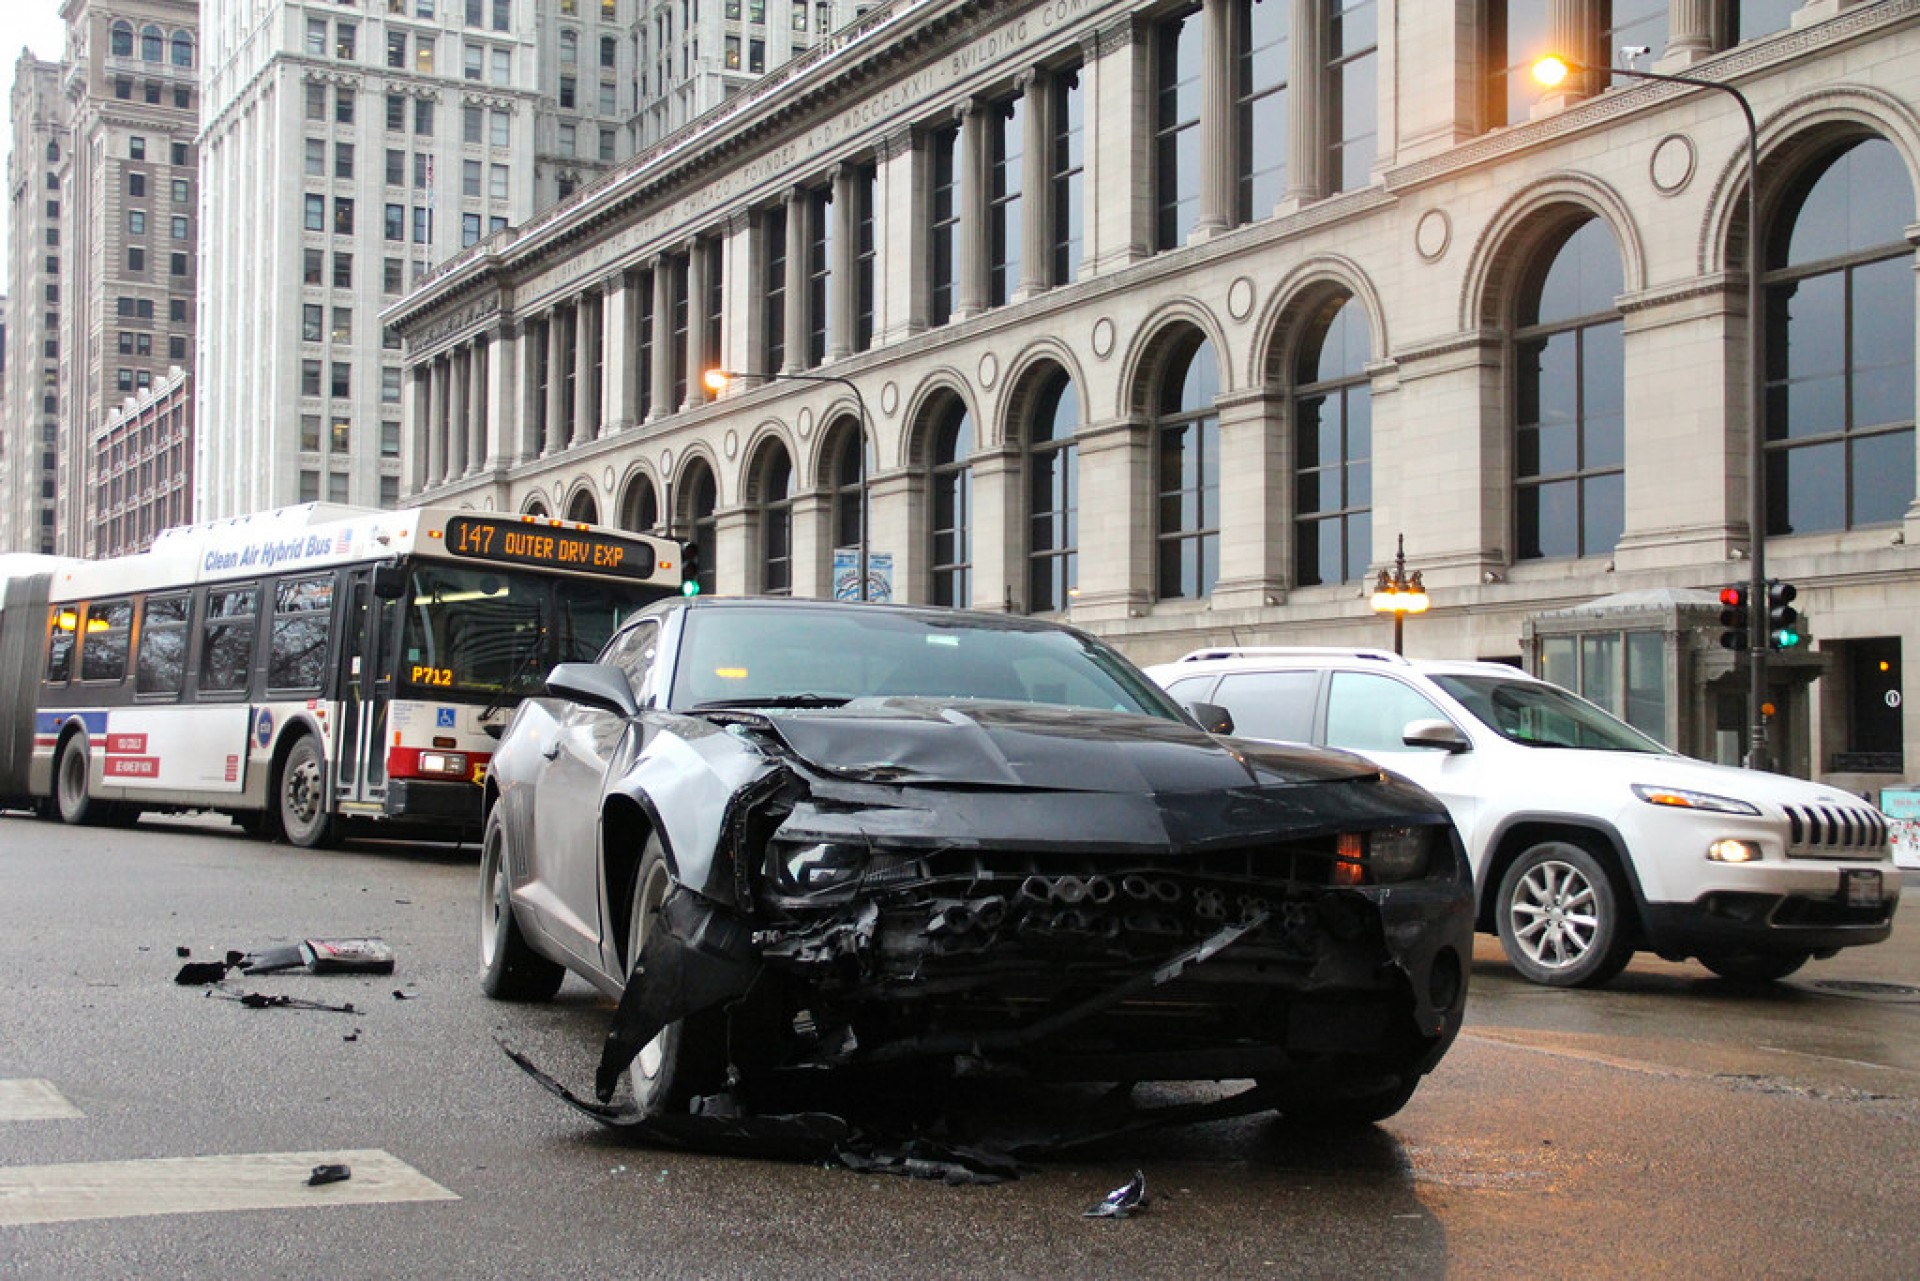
(1560, 917)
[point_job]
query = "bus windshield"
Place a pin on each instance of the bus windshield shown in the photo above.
(486, 632)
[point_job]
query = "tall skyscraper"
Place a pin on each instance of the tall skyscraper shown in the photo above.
(30, 451)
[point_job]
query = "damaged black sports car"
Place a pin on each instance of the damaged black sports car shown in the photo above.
(793, 835)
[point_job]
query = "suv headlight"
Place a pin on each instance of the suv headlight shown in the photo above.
(1680, 798)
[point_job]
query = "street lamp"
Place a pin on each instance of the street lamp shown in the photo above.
(1551, 71)
(716, 381)
(1400, 593)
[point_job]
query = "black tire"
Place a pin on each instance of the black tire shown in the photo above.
(1561, 919)
(510, 970)
(1755, 967)
(688, 1057)
(70, 796)
(1362, 1109)
(302, 797)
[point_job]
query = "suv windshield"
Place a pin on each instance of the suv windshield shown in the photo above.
(741, 656)
(1537, 714)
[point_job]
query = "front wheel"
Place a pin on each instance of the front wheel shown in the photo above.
(688, 1056)
(1560, 917)
(1361, 1109)
(303, 797)
(1755, 967)
(70, 794)
(510, 970)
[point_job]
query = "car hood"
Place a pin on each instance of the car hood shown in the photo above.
(1756, 787)
(969, 743)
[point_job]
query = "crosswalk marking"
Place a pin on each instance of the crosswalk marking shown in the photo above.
(32, 1100)
(184, 1185)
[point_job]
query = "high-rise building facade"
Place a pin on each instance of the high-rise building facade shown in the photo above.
(132, 83)
(1170, 319)
(348, 149)
(30, 455)
(690, 57)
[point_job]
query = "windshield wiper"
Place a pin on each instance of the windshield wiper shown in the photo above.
(773, 700)
(512, 683)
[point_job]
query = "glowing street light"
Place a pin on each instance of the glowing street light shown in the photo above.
(716, 381)
(1551, 71)
(1400, 593)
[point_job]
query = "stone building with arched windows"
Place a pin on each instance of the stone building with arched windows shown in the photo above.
(1170, 319)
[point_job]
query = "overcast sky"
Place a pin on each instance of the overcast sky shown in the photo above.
(35, 24)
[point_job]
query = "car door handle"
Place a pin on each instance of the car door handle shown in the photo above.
(550, 751)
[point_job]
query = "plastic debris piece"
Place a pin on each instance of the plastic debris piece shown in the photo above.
(347, 956)
(194, 972)
(327, 1172)
(352, 1036)
(274, 1001)
(1123, 1201)
(183, 951)
(400, 994)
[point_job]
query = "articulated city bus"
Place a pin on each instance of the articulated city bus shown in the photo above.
(302, 669)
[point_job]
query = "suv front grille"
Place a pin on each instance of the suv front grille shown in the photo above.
(1835, 831)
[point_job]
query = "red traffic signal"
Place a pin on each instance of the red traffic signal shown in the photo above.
(1733, 617)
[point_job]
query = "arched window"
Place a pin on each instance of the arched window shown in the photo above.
(536, 507)
(1187, 473)
(1569, 431)
(1840, 343)
(773, 486)
(583, 508)
(120, 39)
(950, 488)
(182, 49)
(153, 45)
(698, 504)
(53, 152)
(1053, 496)
(1333, 446)
(845, 480)
(639, 507)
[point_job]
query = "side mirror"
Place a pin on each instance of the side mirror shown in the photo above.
(1444, 735)
(1213, 718)
(600, 686)
(389, 581)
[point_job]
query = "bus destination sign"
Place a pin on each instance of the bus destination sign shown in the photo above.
(520, 543)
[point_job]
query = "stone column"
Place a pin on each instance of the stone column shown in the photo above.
(618, 382)
(583, 380)
(1117, 180)
(698, 360)
(478, 358)
(799, 240)
(901, 271)
(554, 439)
(414, 420)
(1218, 178)
(1256, 501)
(971, 297)
(840, 291)
(662, 336)
(1036, 193)
(1306, 114)
(1573, 29)
(457, 376)
(436, 471)
(1690, 34)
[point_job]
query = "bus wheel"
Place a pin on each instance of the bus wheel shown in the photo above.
(70, 783)
(303, 797)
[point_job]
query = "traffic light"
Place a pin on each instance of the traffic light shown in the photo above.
(690, 569)
(1783, 620)
(1733, 617)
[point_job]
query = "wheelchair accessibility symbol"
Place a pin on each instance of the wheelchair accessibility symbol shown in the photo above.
(444, 717)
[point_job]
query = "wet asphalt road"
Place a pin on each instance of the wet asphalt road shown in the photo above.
(1672, 1124)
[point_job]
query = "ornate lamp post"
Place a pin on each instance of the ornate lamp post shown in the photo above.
(1550, 71)
(717, 380)
(1400, 593)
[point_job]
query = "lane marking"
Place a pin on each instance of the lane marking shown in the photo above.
(28, 1099)
(188, 1185)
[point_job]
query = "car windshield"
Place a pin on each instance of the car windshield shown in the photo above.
(1536, 714)
(742, 656)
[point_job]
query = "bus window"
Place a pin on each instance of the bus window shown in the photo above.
(226, 649)
(590, 613)
(61, 625)
(302, 611)
(474, 629)
(103, 648)
(160, 667)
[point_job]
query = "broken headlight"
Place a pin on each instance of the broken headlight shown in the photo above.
(815, 867)
(1383, 857)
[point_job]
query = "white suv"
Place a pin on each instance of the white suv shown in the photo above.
(1588, 839)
